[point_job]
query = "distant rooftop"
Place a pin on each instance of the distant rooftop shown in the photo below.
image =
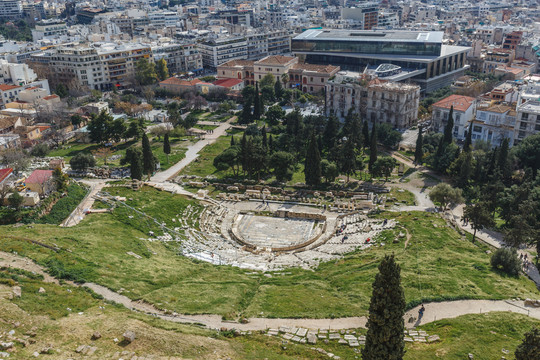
(372, 35)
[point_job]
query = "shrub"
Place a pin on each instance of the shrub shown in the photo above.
(40, 150)
(82, 161)
(506, 259)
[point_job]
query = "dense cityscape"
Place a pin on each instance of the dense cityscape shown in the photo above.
(233, 179)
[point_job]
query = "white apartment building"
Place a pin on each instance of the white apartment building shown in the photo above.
(527, 120)
(163, 18)
(375, 100)
(10, 9)
(49, 29)
(463, 112)
(181, 58)
(101, 66)
(218, 51)
(493, 124)
(19, 74)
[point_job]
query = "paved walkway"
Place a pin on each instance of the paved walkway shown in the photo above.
(193, 152)
(433, 312)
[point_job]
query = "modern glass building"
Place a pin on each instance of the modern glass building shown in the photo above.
(422, 56)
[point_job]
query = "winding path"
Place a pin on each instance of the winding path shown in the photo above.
(433, 312)
(193, 152)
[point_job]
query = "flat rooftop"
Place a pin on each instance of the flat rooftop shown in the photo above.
(372, 35)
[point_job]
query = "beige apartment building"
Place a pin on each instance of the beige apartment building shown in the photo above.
(375, 100)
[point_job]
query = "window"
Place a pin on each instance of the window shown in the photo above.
(477, 128)
(525, 116)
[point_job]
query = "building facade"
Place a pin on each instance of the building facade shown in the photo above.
(464, 108)
(421, 56)
(375, 100)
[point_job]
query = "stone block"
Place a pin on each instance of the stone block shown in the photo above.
(129, 336)
(311, 338)
(433, 338)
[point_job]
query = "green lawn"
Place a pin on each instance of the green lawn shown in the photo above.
(178, 152)
(402, 196)
(204, 164)
(437, 265)
(71, 149)
(484, 336)
(63, 315)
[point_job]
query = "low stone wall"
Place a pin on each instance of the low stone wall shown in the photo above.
(299, 215)
(235, 235)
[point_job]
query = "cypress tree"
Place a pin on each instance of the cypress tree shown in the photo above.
(385, 324)
(331, 132)
(348, 159)
(149, 164)
(320, 143)
(365, 134)
(312, 168)
(530, 347)
(448, 130)
(503, 164)
(468, 139)
(134, 158)
(243, 153)
(271, 143)
(419, 151)
(166, 146)
(373, 148)
(264, 136)
(278, 89)
(257, 111)
(246, 112)
(232, 140)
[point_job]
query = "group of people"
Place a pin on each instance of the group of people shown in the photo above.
(525, 260)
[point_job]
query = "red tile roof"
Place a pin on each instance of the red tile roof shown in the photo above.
(275, 60)
(39, 176)
(4, 87)
(459, 102)
(228, 83)
(50, 97)
(176, 81)
(4, 173)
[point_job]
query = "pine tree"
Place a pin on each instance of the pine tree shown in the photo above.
(419, 151)
(232, 140)
(384, 339)
(530, 347)
(312, 168)
(449, 129)
(468, 139)
(373, 148)
(365, 134)
(257, 111)
(149, 164)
